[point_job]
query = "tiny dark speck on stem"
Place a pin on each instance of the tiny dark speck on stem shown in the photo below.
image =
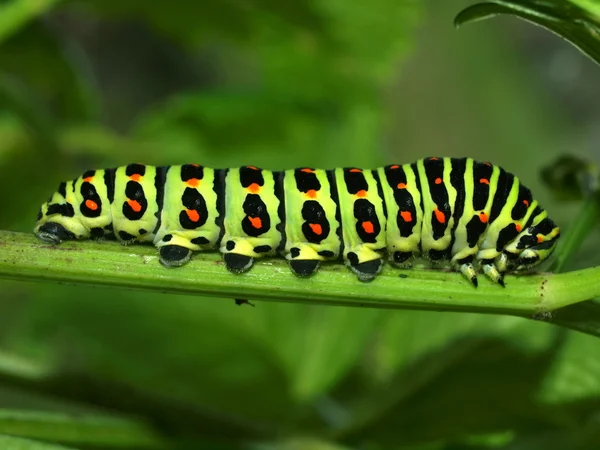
(403, 275)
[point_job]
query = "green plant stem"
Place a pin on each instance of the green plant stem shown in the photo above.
(23, 257)
(69, 429)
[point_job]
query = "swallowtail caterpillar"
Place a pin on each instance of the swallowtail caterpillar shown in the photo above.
(474, 215)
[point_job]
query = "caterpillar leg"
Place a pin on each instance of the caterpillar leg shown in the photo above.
(175, 249)
(487, 259)
(239, 253)
(365, 263)
(463, 262)
(238, 263)
(402, 260)
(174, 255)
(304, 260)
(467, 268)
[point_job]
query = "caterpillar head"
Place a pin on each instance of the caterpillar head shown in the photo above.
(57, 221)
(533, 245)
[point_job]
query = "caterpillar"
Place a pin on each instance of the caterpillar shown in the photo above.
(473, 215)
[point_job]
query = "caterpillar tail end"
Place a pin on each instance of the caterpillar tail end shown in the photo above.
(54, 233)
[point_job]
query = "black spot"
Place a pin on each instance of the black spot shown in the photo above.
(367, 220)
(306, 180)
(355, 181)
(475, 228)
(326, 254)
(201, 240)
(400, 257)
(141, 231)
(368, 269)
(167, 237)
(262, 248)
(97, 232)
(62, 189)
(304, 267)
(125, 236)
(135, 169)
(109, 180)
(481, 190)
(316, 226)
(135, 192)
(255, 208)
(353, 258)
(39, 214)
(193, 201)
(437, 255)
(91, 205)
(506, 235)
(64, 209)
(230, 245)
(189, 171)
(295, 252)
(174, 255)
(237, 263)
(251, 175)
(504, 186)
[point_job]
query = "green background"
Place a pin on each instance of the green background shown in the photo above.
(320, 83)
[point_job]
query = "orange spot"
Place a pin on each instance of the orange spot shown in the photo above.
(488, 164)
(401, 185)
(256, 222)
(307, 170)
(434, 159)
(311, 193)
(252, 168)
(91, 204)
(135, 177)
(483, 217)
(135, 205)
(438, 181)
(395, 166)
(193, 182)
(316, 228)
(194, 165)
(88, 179)
(439, 216)
(193, 215)
(526, 202)
(484, 181)
(406, 216)
(254, 188)
(540, 238)
(368, 227)
(518, 227)
(355, 170)
(362, 193)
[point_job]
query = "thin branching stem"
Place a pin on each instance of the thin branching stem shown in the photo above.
(23, 257)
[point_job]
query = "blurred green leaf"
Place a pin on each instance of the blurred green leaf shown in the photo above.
(16, 443)
(64, 88)
(318, 345)
(565, 18)
(14, 14)
(93, 431)
(482, 386)
(573, 374)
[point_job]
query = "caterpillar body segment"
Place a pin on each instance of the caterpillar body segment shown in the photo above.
(473, 215)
